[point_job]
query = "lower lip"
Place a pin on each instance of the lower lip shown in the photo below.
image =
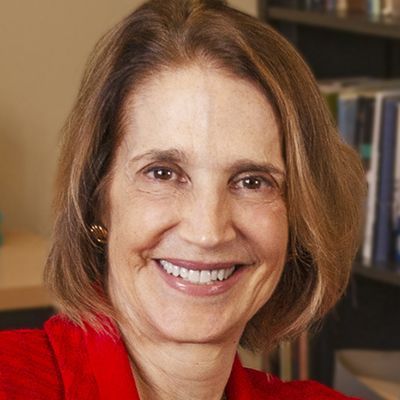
(193, 289)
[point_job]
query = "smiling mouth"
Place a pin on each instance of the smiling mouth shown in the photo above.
(198, 276)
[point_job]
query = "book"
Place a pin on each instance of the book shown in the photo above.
(384, 220)
(330, 91)
(363, 129)
(374, 7)
(346, 116)
(357, 104)
(396, 194)
(372, 176)
(335, 92)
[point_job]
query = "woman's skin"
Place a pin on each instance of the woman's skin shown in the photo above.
(197, 182)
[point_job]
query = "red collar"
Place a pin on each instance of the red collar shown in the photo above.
(95, 365)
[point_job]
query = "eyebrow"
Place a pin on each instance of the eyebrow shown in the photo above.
(239, 166)
(170, 155)
(246, 165)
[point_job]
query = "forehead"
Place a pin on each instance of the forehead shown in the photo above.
(201, 109)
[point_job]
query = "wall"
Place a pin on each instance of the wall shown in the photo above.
(43, 47)
(247, 6)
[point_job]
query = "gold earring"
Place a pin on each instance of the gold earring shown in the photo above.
(99, 233)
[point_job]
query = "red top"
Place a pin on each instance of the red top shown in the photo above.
(65, 362)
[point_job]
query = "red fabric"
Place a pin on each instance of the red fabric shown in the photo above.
(65, 362)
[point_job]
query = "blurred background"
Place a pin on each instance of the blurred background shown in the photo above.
(352, 46)
(44, 46)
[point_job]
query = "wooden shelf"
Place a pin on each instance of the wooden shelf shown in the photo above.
(385, 389)
(390, 277)
(22, 258)
(382, 26)
(376, 370)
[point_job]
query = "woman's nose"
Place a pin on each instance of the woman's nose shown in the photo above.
(206, 220)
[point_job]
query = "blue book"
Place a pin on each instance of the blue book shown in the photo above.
(347, 113)
(384, 216)
(363, 129)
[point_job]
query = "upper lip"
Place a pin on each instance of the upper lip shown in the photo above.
(196, 265)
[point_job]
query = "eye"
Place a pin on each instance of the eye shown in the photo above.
(255, 183)
(164, 173)
(257, 187)
(161, 173)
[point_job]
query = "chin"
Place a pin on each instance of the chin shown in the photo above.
(197, 334)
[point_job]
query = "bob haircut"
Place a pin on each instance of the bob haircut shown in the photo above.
(325, 182)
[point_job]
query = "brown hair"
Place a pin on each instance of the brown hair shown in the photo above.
(325, 184)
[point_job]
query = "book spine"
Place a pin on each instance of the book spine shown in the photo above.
(372, 177)
(347, 110)
(332, 101)
(396, 193)
(364, 130)
(374, 7)
(384, 227)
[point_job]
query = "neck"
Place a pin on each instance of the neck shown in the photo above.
(167, 370)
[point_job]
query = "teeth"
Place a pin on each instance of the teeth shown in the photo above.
(184, 273)
(221, 274)
(196, 276)
(205, 276)
(168, 267)
(229, 272)
(175, 271)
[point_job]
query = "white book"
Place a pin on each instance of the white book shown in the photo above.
(396, 183)
(372, 176)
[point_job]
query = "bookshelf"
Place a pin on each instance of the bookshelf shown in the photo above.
(381, 26)
(380, 275)
(338, 45)
(334, 45)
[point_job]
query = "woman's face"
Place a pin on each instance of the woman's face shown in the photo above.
(197, 224)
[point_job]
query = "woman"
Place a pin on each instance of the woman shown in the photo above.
(204, 200)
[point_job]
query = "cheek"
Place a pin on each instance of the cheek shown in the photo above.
(267, 227)
(138, 221)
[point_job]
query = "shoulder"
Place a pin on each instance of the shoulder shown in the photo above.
(295, 390)
(27, 366)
